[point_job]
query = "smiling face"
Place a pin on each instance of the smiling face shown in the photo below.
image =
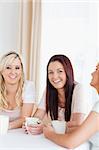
(56, 75)
(95, 78)
(12, 72)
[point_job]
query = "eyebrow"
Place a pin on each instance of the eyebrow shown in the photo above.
(13, 65)
(56, 69)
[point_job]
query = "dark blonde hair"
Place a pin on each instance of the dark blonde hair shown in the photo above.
(5, 60)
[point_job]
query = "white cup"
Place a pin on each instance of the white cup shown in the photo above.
(32, 121)
(4, 124)
(59, 126)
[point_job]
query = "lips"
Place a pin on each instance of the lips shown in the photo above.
(12, 77)
(56, 81)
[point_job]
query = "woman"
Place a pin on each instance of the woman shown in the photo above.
(89, 127)
(64, 98)
(16, 95)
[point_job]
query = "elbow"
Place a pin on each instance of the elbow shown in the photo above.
(70, 145)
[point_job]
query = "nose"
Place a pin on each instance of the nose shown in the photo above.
(13, 71)
(92, 73)
(55, 75)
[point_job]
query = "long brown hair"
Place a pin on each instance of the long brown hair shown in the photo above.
(51, 92)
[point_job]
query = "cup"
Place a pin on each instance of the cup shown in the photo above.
(4, 124)
(59, 126)
(32, 121)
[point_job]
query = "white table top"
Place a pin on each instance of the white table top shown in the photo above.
(17, 140)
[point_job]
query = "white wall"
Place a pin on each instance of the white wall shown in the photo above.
(70, 28)
(9, 15)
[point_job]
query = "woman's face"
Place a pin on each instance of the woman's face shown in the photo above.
(95, 78)
(12, 73)
(56, 75)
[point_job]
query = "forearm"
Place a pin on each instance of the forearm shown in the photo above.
(68, 140)
(62, 140)
(75, 121)
(40, 114)
(76, 137)
(16, 123)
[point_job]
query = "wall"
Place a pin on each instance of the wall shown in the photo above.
(70, 28)
(9, 15)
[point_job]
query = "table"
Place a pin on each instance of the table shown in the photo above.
(16, 139)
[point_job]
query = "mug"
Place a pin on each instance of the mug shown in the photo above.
(59, 126)
(32, 121)
(4, 124)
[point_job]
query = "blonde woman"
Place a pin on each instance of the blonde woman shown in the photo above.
(89, 127)
(16, 95)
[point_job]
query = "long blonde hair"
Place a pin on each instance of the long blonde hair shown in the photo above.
(5, 60)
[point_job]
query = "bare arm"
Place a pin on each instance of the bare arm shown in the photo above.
(75, 121)
(25, 112)
(76, 137)
(40, 113)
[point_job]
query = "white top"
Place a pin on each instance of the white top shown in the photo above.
(95, 139)
(83, 99)
(28, 96)
(80, 102)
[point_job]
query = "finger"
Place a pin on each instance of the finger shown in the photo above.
(26, 131)
(71, 123)
(23, 124)
(35, 130)
(23, 127)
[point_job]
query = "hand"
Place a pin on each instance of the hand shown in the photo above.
(35, 129)
(25, 128)
(47, 129)
(72, 125)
